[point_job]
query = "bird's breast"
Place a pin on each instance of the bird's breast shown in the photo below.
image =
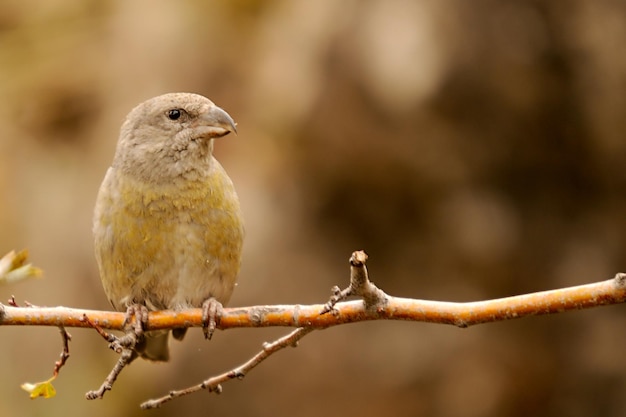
(173, 245)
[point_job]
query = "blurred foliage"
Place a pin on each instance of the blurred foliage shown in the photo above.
(13, 268)
(473, 149)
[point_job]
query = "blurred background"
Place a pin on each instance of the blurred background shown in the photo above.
(474, 149)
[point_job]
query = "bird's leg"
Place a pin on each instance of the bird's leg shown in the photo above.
(212, 311)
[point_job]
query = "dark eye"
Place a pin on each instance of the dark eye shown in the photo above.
(174, 114)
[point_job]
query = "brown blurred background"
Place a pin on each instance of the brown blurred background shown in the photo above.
(473, 149)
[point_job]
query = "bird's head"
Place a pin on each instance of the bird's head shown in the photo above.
(171, 136)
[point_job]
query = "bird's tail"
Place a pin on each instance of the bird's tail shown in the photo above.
(155, 346)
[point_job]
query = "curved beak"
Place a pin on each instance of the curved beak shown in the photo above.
(217, 123)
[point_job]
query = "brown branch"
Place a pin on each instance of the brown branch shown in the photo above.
(465, 314)
(374, 305)
(360, 286)
(65, 353)
(213, 384)
(126, 357)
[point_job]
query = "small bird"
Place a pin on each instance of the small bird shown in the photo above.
(167, 223)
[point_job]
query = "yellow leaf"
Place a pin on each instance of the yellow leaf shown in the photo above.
(40, 389)
(13, 267)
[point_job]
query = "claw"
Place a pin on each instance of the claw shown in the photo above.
(212, 311)
(140, 313)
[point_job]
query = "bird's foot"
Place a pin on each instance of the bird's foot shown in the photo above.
(136, 317)
(212, 311)
(135, 320)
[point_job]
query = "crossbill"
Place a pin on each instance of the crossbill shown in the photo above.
(167, 224)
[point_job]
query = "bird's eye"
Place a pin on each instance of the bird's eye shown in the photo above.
(174, 114)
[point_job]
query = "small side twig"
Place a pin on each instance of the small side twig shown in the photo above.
(360, 286)
(116, 344)
(106, 336)
(65, 354)
(213, 384)
(126, 358)
(125, 346)
(11, 301)
(45, 388)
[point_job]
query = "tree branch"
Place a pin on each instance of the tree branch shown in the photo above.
(463, 314)
(373, 305)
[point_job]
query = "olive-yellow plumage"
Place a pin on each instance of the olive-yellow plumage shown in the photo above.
(167, 224)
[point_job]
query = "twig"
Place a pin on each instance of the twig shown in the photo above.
(106, 336)
(360, 285)
(12, 301)
(213, 384)
(125, 358)
(116, 344)
(65, 354)
(45, 388)
(124, 345)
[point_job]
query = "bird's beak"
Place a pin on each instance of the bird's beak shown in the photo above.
(216, 123)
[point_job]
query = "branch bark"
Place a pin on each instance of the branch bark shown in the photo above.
(374, 304)
(462, 314)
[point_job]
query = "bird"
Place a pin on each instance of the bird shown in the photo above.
(168, 228)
